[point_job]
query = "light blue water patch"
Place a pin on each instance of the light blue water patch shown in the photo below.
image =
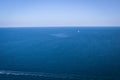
(60, 35)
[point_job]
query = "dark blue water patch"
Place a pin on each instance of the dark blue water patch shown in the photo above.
(92, 51)
(22, 77)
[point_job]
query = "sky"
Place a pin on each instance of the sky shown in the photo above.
(39, 13)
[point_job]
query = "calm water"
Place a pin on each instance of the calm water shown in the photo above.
(60, 53)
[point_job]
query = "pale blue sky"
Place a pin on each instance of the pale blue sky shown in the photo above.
(23, 13)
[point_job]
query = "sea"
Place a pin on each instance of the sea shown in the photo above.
(60, 53)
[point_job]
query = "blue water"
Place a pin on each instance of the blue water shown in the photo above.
(60, 53)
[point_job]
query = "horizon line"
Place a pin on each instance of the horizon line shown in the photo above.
(52, 26)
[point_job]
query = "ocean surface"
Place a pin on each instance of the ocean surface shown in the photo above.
(64, 53)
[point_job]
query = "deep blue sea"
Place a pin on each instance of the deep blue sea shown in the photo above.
(60, 53)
